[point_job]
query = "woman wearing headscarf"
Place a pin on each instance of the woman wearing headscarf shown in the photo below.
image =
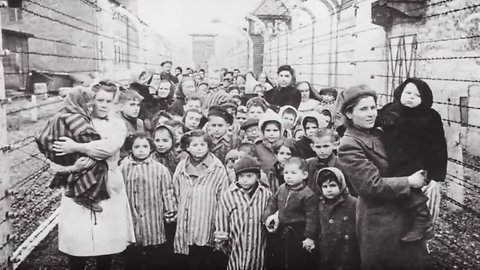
(285, 93)
(73, 120)
(185, 88)
(82, 234)
(381, 220)
(310, 98)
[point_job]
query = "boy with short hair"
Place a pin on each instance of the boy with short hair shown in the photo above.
(129, 111)
(323, 144)
(192, 119)
(289, 117)
(251, 131)
(218, 121)
(243, 239)
(292, 214)
(192, 102)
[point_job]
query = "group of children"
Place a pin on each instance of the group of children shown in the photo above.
(241, 184)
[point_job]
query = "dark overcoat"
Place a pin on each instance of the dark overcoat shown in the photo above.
(381, 219)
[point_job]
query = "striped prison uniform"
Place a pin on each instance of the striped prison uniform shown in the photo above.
(239, 216)
(150, 193)
(197, 202)
(214, 97)
(90, 183)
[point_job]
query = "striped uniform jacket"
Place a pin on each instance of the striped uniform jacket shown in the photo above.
(78, 127)
(239, 216)
(150, 193)
(197, 203)
(214, 97)
(222, 146)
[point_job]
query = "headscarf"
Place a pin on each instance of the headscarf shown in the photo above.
(77, 101)
(424, 90)
(340, 179)
(313, 92)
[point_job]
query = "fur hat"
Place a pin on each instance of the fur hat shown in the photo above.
(221, 112)
(247, 164)
(351, 94)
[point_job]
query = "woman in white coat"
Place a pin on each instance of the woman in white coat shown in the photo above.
(81, 232)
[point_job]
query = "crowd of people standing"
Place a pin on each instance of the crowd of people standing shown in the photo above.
(235, 171)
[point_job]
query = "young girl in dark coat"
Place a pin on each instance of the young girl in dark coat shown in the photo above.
(338, 239)
(414, 139)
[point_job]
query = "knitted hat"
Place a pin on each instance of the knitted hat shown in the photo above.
(268, 117)
(323, 173)
(221, 112)
(347, 97)
(310, 115)
(247, 164)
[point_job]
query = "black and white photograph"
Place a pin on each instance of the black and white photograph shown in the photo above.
(240, 134)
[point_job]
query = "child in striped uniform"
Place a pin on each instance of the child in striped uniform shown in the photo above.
(151, 194)
(199, 181)
(238, 228)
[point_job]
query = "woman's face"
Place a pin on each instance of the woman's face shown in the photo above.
(164, 89)
(363, 115)
(188, 88)
(304, 90)
(284, 78)
(103, 103)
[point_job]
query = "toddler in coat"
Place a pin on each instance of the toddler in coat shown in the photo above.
(414, 139)
(292, 214)
(338, 245)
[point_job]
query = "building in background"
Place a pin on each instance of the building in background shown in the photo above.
(82, 39)
(203, 46)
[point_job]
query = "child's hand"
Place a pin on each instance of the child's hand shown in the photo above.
(220, 239)
(308, 244)
(272, 223)
(170, 217)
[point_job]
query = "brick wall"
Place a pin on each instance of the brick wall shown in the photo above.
(84, 42)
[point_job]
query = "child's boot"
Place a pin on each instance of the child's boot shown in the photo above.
(422, 225)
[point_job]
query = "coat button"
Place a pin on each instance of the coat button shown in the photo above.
(346, 237)
(330, 221)
(345, 218)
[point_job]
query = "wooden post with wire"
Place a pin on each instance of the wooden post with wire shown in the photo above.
(6, 235)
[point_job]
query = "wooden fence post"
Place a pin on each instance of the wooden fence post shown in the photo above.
(5, 232)
(34, 110)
